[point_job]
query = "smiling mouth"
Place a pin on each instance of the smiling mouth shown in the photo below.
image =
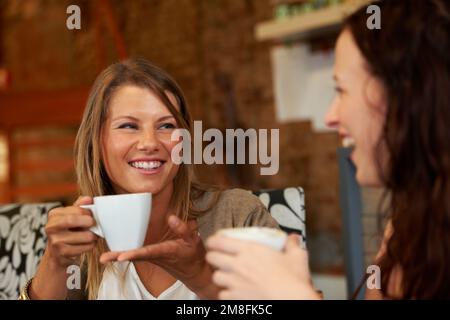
(146, 165)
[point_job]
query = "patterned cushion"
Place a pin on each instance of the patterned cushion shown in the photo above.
(287, 206)
(22, 243)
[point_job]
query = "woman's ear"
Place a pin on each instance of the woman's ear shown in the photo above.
(376, 94)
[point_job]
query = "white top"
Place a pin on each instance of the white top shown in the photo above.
(132, 288)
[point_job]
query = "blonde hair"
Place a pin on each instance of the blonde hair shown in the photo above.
(92, 177)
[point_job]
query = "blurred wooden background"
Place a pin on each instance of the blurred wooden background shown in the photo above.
(210, 49)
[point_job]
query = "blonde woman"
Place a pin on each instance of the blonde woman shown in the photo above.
(124, 146)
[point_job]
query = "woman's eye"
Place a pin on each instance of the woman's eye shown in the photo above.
(167, 126)
(128, 126)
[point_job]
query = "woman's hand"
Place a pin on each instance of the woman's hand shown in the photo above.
(247, 270)
(183, 257)
(68, 236)
(68, 233)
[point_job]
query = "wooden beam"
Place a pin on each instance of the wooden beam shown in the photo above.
(48, 165)
(61, 107)
(7, 197)
(2, 27)
(113, 27)
(44, 142)
(51, 190)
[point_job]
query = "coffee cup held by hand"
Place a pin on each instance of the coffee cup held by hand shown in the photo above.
(271, 237)
(121, 219)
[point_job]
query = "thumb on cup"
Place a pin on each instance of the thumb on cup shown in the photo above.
(82, 200)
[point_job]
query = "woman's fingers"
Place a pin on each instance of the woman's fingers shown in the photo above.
(82, 200)
(220, 260)
(167, 249)
(76, 251)
(69, 221)
(109, 256)
(226, 244)
(75, 209)
(226, 295)
(72, 251)
(138, 254)
(222, 279)
(186, 231)
(294, 247)
(67, 232)
(74, 238)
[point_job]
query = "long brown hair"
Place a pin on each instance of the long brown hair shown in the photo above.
(92, 177)
(411, 56)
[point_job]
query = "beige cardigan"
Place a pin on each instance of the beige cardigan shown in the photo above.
(234, 208)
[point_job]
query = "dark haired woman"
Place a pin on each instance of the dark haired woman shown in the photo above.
(393, 104)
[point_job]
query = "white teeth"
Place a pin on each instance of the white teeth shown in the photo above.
(146, 164)
(348, 142)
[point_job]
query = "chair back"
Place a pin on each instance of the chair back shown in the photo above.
(287, 207)
(22, 244)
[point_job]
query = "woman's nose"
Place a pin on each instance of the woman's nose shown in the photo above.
(148, 141)
(332, 116)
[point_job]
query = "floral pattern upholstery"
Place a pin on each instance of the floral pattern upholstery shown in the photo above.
(287, 206)
(22, 243)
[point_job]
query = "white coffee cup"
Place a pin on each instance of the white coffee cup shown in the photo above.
(122, 219)
(271, 237)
